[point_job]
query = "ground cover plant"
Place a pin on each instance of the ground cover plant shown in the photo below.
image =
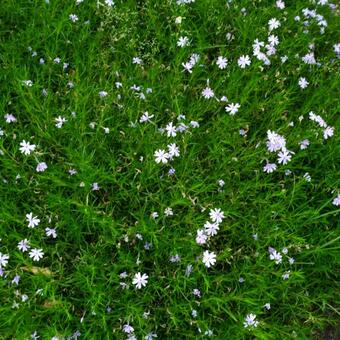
(169, 169)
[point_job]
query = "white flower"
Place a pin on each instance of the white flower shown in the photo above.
(280, 4)
(10, 118)
(269, 168)
(3, 260)
(161, 156)
(23, 245)
(250, 321)
(171, 130)
(28, 83)
(109, 3)
(328, 132)
(102, 94)
(145, 117)
(36, 254)
(41, 167)
(183, 41)
(216, 215)
(60, 121)
(194, 124)
(136, 60)
(209, 258)
(273, 40)
(173, 150)
(244, 61)
(168, 212)
(208, 93)
(336, 200)
(267, 306)
(140, 280)
(32, 221)
(275, 256)
(232, 108)
(307, 177)
(285, 276)
(150, 336)
(222, 62)
(273, 24)
(26, 148)
(188, 66)
(304, 144)
(73, 17)
(51, 232)
(303, 83)
(201, 237)
(211, 229)
(95, 186)
(154, 215)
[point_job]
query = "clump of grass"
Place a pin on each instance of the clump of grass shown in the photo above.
(169, 169)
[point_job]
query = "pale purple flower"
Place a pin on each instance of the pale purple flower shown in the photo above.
(16, 279)
(201, 237)
(269, 168)
(128, 329)
(208, 93)
(41, 167)
(23, 245)
(10, 118)
(275, 142)
(336, 200)
(211, 229)
(304, 144)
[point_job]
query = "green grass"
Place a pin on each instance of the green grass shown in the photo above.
(78, 277)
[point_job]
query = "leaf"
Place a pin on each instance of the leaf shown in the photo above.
(38, 270)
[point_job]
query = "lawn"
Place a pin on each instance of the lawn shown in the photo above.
(169, 169)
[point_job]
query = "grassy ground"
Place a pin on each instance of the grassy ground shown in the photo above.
(77, 288)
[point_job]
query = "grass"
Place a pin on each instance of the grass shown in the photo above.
(102, 233)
